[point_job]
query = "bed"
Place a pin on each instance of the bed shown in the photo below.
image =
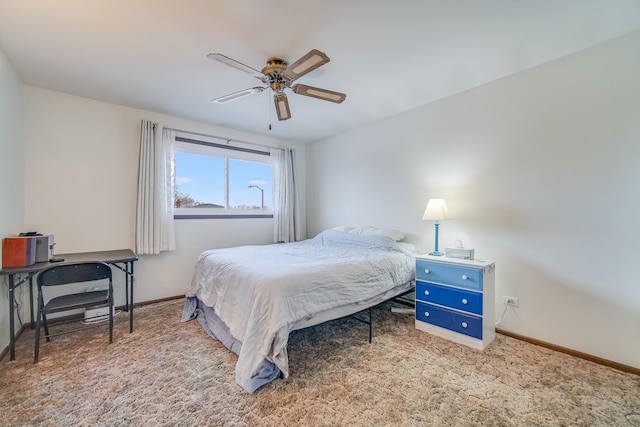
(251, 297)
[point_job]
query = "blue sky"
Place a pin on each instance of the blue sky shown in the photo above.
(202, 177)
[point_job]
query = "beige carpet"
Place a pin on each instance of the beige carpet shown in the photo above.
(172, 373)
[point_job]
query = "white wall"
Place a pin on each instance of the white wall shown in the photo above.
(82, 162)
(540, 171)
(11, 172)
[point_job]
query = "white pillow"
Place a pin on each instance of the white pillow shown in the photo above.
(408, 247)
(343, 228)
(368, 230)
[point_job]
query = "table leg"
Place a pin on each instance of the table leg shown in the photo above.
(12, 334)
(126, 286)
(131, 299)
(31, 300)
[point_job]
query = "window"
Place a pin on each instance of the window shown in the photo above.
(214, 180)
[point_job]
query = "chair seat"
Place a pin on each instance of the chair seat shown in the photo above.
(79, 300)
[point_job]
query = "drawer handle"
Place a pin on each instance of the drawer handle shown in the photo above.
(426, 292)
(426, 271)
(426, 314)
(464, 300)
(464, 324)
(464, 277)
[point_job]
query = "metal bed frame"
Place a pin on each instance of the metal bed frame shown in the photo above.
(400, 299)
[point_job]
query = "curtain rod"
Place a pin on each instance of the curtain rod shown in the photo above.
(219, 137)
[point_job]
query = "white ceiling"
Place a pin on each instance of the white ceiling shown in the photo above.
(388, 56)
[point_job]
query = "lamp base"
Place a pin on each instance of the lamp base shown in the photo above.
(436, 253)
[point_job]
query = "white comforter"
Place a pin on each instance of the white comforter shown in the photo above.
(262, 292)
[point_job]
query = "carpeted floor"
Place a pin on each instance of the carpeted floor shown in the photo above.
(172, 373)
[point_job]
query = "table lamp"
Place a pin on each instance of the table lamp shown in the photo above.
(436, 210)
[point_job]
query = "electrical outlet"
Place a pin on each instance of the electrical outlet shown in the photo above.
(510, 301)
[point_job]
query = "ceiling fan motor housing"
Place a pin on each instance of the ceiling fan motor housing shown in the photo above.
(274, 74)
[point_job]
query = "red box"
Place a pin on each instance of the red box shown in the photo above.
(18, 251)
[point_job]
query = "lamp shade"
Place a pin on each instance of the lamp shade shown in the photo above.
(436, 209)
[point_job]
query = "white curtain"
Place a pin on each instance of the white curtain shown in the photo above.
(154, 210)
(286, 212)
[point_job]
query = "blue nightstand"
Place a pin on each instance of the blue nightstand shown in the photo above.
(455, 299)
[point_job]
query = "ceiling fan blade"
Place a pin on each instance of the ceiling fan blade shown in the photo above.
(316, 92)
(307, 63)
(235, 64)
(236, 95)
(282, 106)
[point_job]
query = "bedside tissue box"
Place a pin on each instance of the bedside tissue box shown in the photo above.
(458, 253)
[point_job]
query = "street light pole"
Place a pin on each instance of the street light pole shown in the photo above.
(261, 192)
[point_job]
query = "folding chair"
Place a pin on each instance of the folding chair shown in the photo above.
(67, 274)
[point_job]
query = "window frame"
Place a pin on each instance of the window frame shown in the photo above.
(203, 147)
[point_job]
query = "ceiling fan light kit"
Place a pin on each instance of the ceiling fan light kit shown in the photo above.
(277, 75)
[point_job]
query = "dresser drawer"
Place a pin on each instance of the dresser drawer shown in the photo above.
(455, 298)
(459, 322)
(450, 274)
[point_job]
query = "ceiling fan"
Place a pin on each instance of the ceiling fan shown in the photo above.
(278, 76)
